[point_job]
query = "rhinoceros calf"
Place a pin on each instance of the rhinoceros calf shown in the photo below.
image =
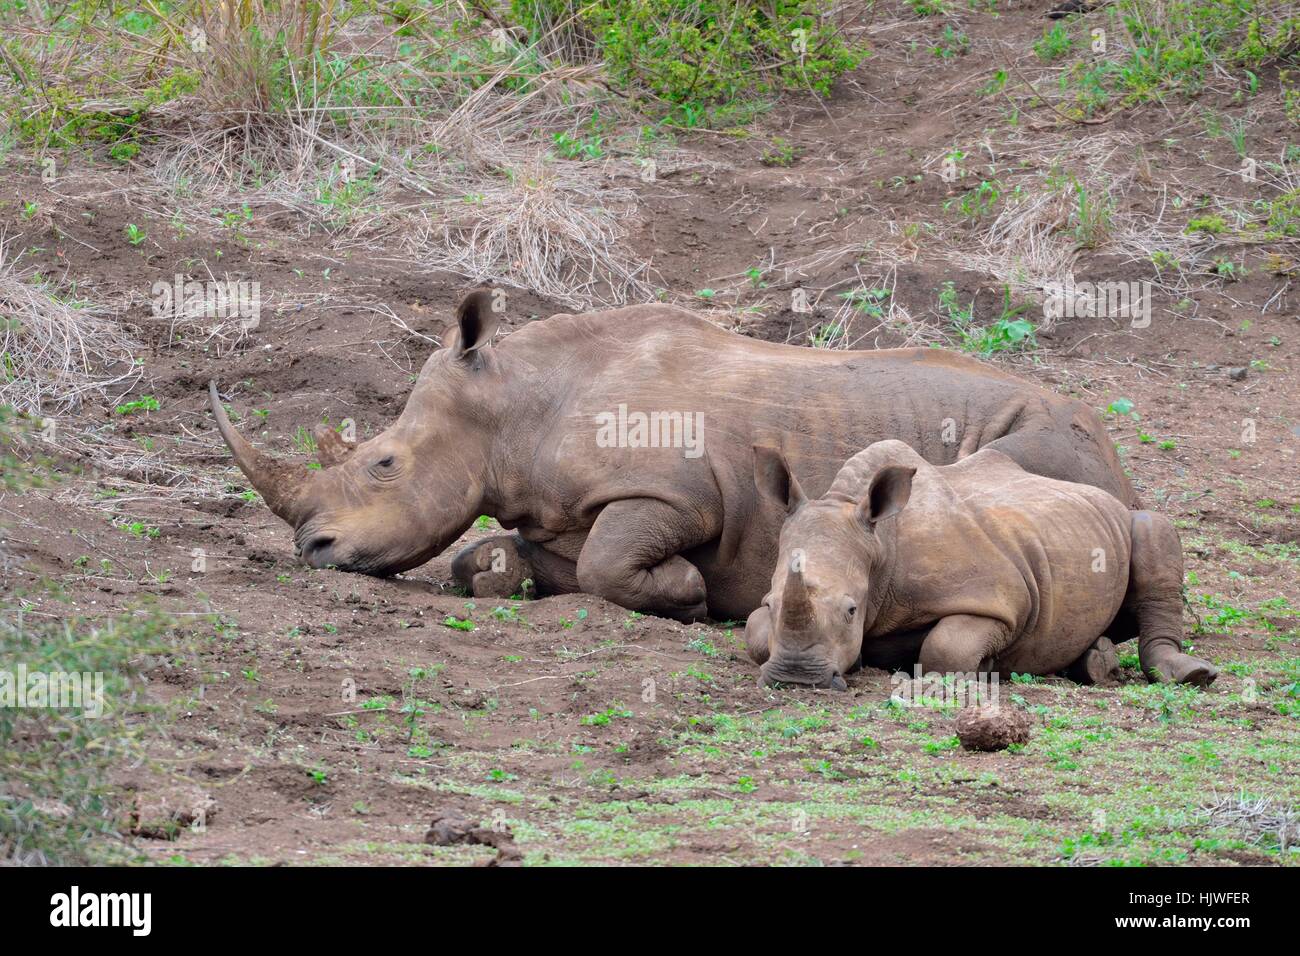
(977, 566)
(618, 446)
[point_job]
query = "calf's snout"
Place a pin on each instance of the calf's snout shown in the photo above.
(812, 671)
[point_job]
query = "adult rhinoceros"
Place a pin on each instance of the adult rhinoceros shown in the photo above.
(560, 431)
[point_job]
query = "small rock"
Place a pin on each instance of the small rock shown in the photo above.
(1237, 374)
(992, 727)
(471, 698)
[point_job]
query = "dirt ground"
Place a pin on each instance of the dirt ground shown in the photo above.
(330, 717)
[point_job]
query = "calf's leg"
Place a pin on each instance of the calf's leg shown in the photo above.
(631, 557)
(758, 634)
(1155, 597)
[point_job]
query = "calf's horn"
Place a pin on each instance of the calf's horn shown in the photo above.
(279, 484)
(796, 606)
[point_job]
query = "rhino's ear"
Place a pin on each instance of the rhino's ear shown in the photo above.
(477, 318)
(890, 489)
(331, 448)
(774, 480)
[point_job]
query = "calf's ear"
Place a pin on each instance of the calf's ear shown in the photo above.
(890, 489)
(774, 480)
(477, 318)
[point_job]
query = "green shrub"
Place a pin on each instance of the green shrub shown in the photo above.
(1174, 47)
(1177, 43)
(697, 52)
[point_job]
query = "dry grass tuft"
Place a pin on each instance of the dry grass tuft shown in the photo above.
(1260, 820)
(55, 350)
(458, 173)
(542, 227)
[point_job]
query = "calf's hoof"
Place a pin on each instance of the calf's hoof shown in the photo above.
(491, 568)
(1098, 665)
(1178, 668)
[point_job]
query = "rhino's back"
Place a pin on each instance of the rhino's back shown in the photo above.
(820, 405)
(1050, 558)
(615, 339)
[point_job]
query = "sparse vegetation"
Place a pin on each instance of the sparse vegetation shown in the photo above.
(58, 804)
(884, 178)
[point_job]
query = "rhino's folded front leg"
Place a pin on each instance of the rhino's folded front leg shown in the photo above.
(963, 643)
(632, 558)
(1099, 664)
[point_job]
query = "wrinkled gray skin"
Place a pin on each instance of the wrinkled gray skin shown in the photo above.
(974, 567)
(511, 431)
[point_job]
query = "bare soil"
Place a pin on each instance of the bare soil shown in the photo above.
(331, 717)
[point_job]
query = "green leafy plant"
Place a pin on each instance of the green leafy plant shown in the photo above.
(1008, 332)
(780, 153)
(574, 147)
(146, 404)
(1055, 43)
(951, 44)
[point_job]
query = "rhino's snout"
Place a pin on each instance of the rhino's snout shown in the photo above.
(320, 549)
(801, 671)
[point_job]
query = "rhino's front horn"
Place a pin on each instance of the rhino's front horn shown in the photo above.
(796, 606)
(280, 485)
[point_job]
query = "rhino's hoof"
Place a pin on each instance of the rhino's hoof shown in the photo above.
(1182, 669)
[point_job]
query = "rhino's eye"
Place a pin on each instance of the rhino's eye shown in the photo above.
(851, 610)
(385, 462)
